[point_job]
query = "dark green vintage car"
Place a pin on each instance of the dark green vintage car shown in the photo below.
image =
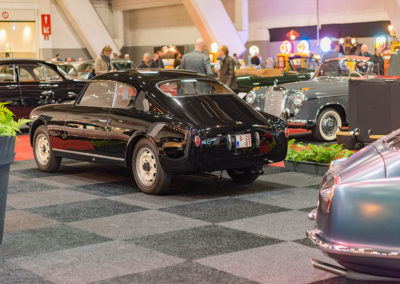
(300, 69)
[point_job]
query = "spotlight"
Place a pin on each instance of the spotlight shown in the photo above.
(214, 47)
(325, 44)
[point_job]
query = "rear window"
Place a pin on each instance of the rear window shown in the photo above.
(192, 87)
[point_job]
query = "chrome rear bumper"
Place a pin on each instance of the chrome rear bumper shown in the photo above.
(340, 271)
(316, 236)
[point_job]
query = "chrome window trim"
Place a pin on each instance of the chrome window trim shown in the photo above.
(89, 155)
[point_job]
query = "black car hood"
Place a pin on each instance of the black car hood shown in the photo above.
(217, 111)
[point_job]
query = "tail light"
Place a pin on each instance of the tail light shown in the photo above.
(197, 141)
(287, 132)
(328, 190)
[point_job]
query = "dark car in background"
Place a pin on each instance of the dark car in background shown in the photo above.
(27, 83)
(357, 220)
(159, 123)
(82, 69)
(320, 104)
(300, 69)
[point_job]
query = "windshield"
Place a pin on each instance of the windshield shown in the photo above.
(342, 68)
(303, 64)
(192, 87)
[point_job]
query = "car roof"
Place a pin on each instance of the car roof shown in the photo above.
(22, 60)
(150, 75)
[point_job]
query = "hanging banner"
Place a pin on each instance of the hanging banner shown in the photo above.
(46, 26)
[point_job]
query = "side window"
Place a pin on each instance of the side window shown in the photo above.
(40, 72)
(52, 75)
(125, 95)
(7, 74)
(25, 76)
(98, 94)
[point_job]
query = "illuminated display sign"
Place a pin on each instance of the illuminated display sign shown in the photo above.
(325, 44)
(286, 47)
(303, 46)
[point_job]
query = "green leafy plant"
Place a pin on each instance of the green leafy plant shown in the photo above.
(8, 126)
(322, 154)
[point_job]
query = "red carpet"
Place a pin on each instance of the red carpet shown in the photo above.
(23, 148)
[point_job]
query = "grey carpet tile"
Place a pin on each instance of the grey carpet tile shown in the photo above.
(210, 186)
(12, 274)
(36, 241)
(82, 210)
(187, 272)
(222, 210)
(306, 242)
(26, 185)
(203, 241)
(109, 188)
(308, 209)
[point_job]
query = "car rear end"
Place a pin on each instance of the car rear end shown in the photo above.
(356, 222)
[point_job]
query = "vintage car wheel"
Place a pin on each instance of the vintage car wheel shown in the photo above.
(44, 156)
(328, 123)
(150, 177)
(246, 175)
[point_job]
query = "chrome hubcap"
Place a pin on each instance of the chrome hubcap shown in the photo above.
(146, 166)
(42, 149)
(329, 125)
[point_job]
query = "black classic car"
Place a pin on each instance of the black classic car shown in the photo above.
(300, 69)
(26, 84)
(357, 220)
(320, 104)
(83, 68)
(159, 123)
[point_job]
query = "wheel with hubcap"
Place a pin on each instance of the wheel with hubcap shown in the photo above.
(245, 175)
(328, 123)
(42, 151)
(150, 177)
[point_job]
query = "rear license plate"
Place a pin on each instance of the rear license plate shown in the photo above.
(243, 141)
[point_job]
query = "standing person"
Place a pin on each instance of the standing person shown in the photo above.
(196, 60)
(177, 60)
(237, 62)
(364, 52)
(146, 61)
(227, 69)
(157, 61)
(378, 61)
(255, 60)
(102, 64)
(334, 52)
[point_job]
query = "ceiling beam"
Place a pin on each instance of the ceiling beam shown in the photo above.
(142, 4)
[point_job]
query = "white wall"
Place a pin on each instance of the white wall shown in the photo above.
(265, 14)
(159, 26)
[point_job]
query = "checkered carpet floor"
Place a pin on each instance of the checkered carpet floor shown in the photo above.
(89, 223)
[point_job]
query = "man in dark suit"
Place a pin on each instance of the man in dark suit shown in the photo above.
(227, 70)
(196, 60)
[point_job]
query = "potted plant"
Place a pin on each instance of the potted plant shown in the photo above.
(8, 130)
(313, 159)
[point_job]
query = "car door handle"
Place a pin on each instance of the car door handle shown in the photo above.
(46, 92)
(103, 120)
(11, 86)
(55, 86)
